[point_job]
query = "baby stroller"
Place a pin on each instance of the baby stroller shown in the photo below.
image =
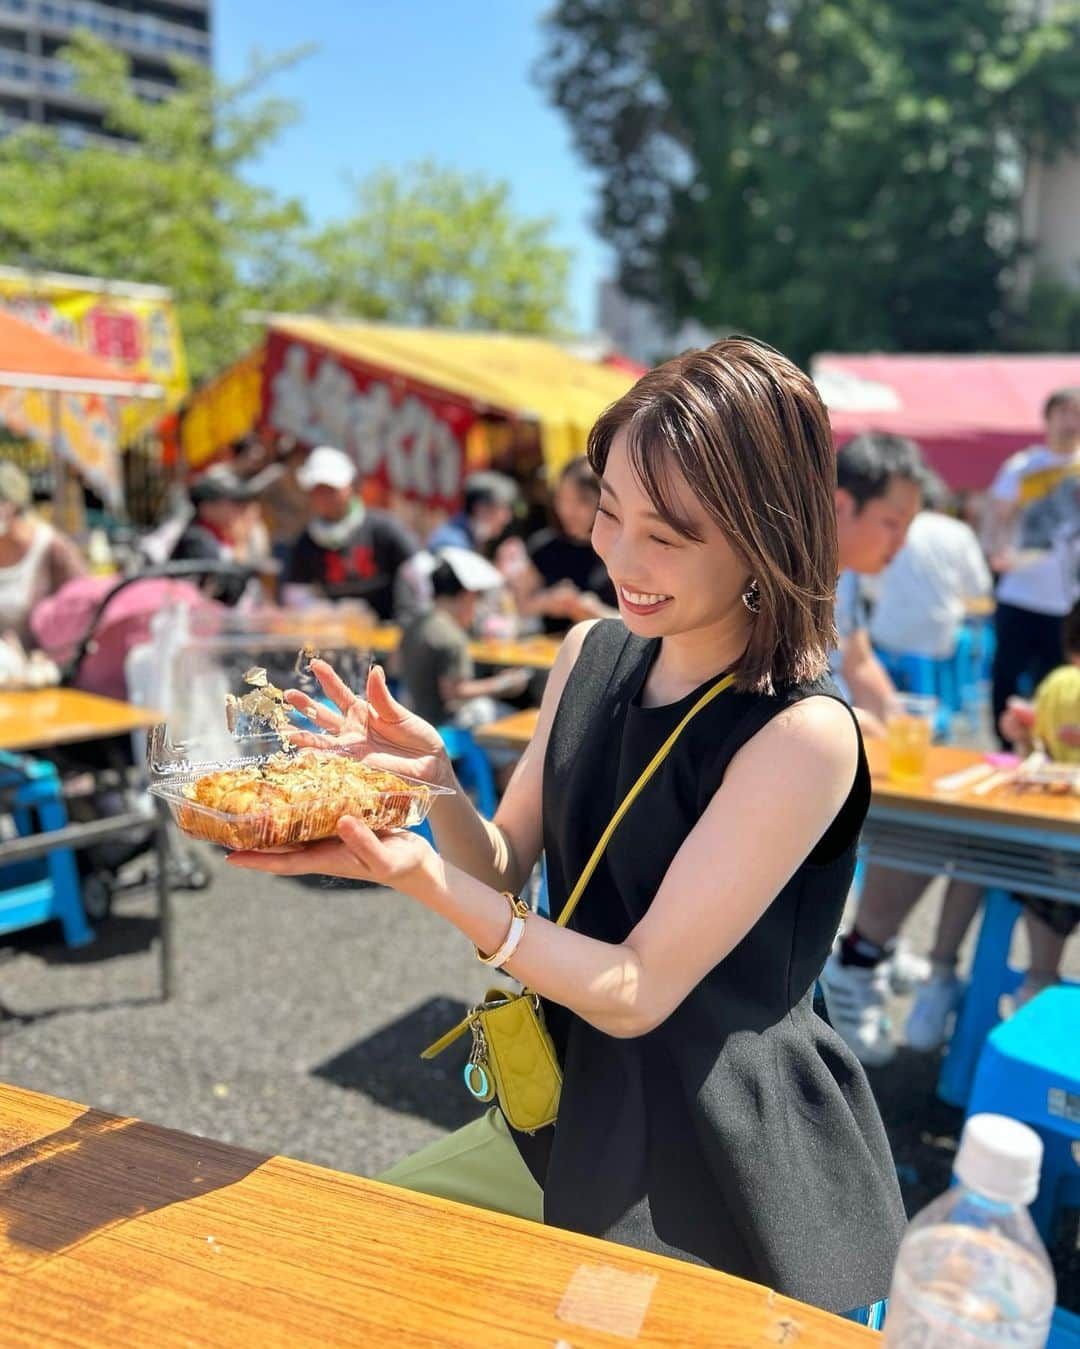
(94, 628)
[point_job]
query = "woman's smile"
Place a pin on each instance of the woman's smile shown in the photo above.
(642, 601)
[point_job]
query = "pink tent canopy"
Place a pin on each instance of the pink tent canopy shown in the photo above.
(969, 413)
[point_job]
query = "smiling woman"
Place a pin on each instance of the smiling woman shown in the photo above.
(706, 1111)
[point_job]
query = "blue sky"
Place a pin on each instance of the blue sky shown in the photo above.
(392, 83)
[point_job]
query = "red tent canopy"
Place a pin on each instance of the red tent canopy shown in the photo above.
(969, 413)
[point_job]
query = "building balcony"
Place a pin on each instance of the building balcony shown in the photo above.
(44, 78)
(138, 34)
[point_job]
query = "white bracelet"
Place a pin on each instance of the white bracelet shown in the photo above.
(513, 938)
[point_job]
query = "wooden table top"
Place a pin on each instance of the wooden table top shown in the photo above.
(42, 718)
(116, 1232)
(532, 653)
(1006, 805)
(515, 730)
(528, 653)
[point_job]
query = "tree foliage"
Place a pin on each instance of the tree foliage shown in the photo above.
(825, 173)
(174, 206)
(430, 245)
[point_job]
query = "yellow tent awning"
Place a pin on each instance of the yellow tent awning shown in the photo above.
(224, 410)
(524, 377)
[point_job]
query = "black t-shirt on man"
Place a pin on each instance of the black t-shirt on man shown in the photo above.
(557, 558)
(362, 567)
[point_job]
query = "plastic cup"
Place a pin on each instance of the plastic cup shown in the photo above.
(909, 725)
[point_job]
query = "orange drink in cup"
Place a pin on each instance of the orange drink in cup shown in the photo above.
(909, 725)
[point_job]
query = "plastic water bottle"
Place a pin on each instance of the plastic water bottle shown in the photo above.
(972, 1270)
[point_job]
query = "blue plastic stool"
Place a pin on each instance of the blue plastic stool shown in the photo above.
(37, 892)
(1029, 1069)
(472, 768)
(977, 1015)
(873, 1315)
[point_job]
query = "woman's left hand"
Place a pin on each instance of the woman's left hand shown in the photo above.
(357, 854)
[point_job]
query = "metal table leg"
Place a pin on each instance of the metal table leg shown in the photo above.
(164, 901)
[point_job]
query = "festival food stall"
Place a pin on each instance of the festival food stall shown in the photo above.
(71, 405)
(416, 408)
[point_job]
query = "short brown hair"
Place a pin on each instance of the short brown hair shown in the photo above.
(581, 474)
(1058, 399)
(749, 433)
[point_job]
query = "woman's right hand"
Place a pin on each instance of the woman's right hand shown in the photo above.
(377, 729)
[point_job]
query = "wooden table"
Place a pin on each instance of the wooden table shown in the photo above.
(1003, 809)
(1008, 842)
(42, 719)
(514, 731)
(530, 653)
(527, 653)
(46, 719)
(116, 1232)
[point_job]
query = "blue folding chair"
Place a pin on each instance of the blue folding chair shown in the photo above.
(37, 892)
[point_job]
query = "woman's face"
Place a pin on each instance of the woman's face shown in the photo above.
(666, 584)
(575, 509)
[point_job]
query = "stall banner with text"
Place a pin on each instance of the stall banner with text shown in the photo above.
(138, 333)
(408, 437)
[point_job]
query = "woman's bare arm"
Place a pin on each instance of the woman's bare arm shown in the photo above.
(762, 822)
(501, 852)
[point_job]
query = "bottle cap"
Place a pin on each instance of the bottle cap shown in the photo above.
(999, 1158)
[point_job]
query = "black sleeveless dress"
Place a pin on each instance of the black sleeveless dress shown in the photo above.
(741, 1133)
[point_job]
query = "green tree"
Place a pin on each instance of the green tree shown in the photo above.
(170, 207)
(825, 173)
(431, 245)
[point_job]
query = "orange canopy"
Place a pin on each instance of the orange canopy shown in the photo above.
(30, 359)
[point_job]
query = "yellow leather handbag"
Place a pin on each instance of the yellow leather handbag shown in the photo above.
(512, 1055)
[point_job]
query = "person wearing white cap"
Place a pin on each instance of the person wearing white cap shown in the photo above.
(435, 665)
(348, 550)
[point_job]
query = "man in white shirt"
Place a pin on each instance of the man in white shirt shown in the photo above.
(926, 589)
(1032, 536)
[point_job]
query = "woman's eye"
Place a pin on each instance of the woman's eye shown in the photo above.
(608, 514)
(664, 543)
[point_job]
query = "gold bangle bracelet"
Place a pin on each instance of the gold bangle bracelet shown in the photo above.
(518, 909)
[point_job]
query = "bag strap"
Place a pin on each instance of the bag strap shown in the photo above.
(630, 797)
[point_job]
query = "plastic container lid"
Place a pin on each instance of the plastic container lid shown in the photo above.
(999, 1158)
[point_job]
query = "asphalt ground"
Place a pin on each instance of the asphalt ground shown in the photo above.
(296, 1021)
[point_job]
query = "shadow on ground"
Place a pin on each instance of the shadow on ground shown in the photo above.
(386, 1066)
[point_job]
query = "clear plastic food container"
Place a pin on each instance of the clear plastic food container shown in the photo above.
(265, 797)
(262, 775)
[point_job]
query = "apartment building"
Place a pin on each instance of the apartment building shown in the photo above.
(36, 86)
